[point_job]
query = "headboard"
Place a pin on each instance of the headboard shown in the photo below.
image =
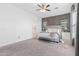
(55, 29)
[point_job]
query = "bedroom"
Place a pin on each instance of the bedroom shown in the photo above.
(22, 24)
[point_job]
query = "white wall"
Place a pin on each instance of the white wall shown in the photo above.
(16, 24)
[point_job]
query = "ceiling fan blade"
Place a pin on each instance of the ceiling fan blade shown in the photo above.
(42, 5)
(39, 6)
(47, 10)
(47, 6)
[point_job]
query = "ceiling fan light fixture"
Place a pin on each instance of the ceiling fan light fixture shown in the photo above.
(43, 7)
(43, 10)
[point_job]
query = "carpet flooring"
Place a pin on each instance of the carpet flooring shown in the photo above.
(34, 47)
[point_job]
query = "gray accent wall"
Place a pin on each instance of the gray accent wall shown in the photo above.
(56, 20)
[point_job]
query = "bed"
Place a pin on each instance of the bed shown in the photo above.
(52, 34)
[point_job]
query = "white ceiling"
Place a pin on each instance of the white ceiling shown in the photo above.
(63, 8)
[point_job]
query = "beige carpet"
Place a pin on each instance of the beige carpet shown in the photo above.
(33, 47)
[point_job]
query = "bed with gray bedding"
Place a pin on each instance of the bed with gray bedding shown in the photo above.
(52, 34)
(53, 37)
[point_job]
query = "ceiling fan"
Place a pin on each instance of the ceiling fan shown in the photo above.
(43, 7)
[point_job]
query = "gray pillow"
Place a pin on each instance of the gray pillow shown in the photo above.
(55, 37)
